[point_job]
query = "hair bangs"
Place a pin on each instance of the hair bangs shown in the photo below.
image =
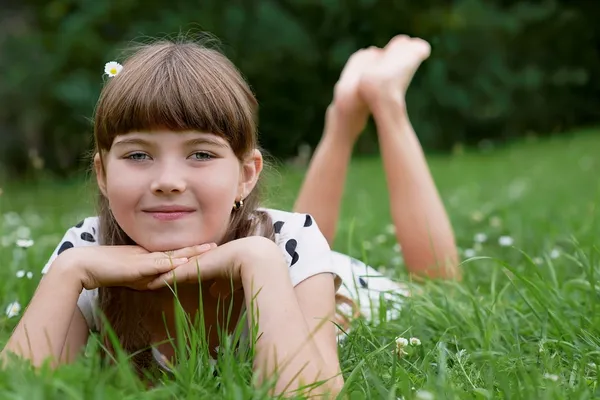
(177, 87)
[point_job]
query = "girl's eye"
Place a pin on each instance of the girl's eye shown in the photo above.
(137, 156)
(202, 156)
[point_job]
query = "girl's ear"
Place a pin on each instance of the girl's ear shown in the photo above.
(100, 174)
(251, 169)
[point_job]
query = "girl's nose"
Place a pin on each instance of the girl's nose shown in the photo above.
(168, 180)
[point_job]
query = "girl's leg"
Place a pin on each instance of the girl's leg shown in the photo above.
(323, 187)
(376, 80)
(422, 225)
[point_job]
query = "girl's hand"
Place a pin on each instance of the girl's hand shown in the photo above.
(130, 266)
(348, 105)
(391, 75)
(223, 264)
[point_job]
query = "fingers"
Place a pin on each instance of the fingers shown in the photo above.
(163, 263)
(192, 251)
(188, 272)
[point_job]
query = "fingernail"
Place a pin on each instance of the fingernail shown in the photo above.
(204, 247)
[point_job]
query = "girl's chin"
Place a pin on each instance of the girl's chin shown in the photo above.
(170, 245)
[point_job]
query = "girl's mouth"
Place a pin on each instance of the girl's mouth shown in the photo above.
(169, 212)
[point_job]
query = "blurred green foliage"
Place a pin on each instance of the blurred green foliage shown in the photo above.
(499, 68)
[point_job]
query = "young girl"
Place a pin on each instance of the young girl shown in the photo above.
(177, 167)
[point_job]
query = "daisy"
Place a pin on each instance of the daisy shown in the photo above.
(24, 243)
(470, 253)
(20, 273)
(505, 241)
(13, 309)
(112, 68)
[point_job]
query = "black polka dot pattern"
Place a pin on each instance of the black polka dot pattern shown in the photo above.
(87, 237)
(65, 246)
(290, 247)
(94, 230)
(363, 283)
(277, 226)
(308, 221)
(79, 224)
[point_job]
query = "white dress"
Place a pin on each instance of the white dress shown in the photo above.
(360, 288)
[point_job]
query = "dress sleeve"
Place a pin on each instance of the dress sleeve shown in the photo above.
(82, 234)
(304, 247)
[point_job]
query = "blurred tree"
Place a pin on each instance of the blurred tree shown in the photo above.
(499, 69)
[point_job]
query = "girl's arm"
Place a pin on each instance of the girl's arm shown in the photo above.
(287, 347)
(51, 322)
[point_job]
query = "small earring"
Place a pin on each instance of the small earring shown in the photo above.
(238, 204)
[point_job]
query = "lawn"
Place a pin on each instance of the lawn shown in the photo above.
(523, 323)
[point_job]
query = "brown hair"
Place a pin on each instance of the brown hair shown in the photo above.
(179, 86)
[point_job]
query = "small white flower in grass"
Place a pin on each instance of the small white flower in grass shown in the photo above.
(470, 253)
(397, 248)
(396, 260)
(380, 239)
(367, 245)
(20, 273)
(401, 344)
(551, 377)
(24, 243)
(112, 68)
(538, 260)
(505, 241)
(480, 237)
(415, 341)
(554, 254)
(13, 309)
(424, 395)
(29, 275)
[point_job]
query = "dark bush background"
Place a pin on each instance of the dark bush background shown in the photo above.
(499, 70)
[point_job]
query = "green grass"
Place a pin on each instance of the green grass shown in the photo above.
(523, 323)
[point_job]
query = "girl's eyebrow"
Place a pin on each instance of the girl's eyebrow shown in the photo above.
(206, 140)
(188, 143)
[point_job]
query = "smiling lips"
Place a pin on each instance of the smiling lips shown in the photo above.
(169, 213)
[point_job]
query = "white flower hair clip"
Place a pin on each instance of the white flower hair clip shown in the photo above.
(112, 68)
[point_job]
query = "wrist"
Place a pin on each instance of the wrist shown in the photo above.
(68, 270)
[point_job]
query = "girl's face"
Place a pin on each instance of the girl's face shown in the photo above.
(169, 190)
